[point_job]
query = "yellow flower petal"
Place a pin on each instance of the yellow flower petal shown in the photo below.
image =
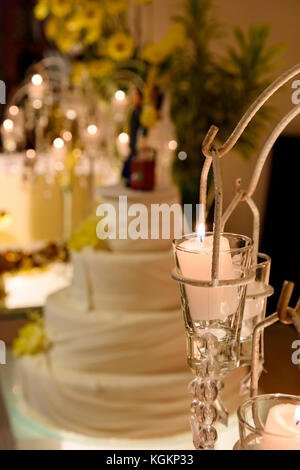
(154, 54)
(86, 235)
(41, 10)
(148, 116)
(51, 28)
(120, 46)
(65, 42)
(31, 340)
(174, 38)
(61, 8)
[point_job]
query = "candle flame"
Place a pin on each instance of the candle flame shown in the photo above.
(297, 415)
(201, 232)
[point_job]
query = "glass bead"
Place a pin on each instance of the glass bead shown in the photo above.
(211, 390)
(194, 404)
(210, 414)
(207, 436)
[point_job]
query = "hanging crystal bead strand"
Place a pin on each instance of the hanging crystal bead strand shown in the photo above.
(206, 407)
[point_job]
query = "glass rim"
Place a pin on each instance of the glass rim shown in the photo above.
(269, 396)
(266, 260)
(245, 279)
(177, 241)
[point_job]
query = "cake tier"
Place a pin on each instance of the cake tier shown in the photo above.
(114, 342)
(167, 195)
(113, 405)
(135, 406)
(119, 282)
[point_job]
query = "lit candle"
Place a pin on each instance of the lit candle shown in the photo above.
(36, 87)
(195, 262)
(122, 143)
(58, 148)
(282, 429)
(92, 137)
(120, 103)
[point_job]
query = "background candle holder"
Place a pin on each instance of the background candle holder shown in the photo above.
(212, 315)
(268, 422)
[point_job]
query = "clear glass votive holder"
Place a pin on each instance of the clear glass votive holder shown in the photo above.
(269, 422)
(257, 294)
(212, 314)
(208, 308)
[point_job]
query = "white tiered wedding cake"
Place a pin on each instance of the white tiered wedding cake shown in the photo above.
(116, 365)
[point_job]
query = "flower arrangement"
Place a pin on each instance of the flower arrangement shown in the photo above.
(94, 33)
(204, 87)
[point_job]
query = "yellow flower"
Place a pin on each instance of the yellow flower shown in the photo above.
(65, 42)
(31, 339)
(120, 46)
(100, 68)
(61, 8)
(86, 235)
(174, 38)
(91, 14)
(92, 36)
(41, 9)
(88, 17)
(148, 116)
(117, 7)
(158, 52)
(52, 27)
(154, 54)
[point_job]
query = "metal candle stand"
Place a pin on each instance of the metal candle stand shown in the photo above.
(205, 388)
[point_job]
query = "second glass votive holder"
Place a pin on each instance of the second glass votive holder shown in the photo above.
(257, 294)
(269, 422)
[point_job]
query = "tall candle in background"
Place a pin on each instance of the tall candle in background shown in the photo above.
(195, 262)
(282, 429)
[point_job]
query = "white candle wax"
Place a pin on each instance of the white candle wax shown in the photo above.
(282, 428)
(207, 303)
(253, 307)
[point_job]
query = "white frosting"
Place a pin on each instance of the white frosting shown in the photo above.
(112, 342)
(120, 282)
(108, 405)
(138, 406)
